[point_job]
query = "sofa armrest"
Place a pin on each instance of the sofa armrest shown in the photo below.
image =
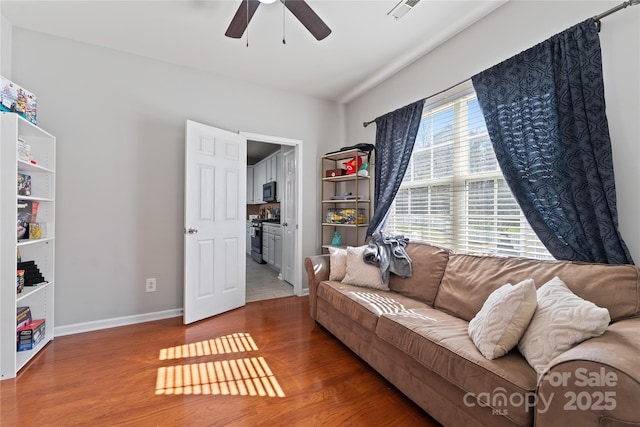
(596, 383)
(317, 267)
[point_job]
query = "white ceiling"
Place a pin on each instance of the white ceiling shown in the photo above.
(365, 46)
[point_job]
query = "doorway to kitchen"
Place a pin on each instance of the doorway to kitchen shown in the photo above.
(265, 283)
(272, 221)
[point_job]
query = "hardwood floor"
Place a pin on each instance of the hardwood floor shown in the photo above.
(159, 373)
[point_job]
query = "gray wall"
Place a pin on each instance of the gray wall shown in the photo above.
(512, 28)
(119, 120)
(5, 47)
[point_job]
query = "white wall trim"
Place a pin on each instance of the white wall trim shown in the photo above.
(77, 328)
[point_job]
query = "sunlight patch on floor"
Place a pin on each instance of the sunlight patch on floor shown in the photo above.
(241, 376)
(234, 343)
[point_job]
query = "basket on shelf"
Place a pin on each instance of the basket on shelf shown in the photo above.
(345, 216)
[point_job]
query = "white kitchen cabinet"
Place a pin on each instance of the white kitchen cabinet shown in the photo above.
(272, 245)
(277, 251)
(40, 250)
(248, 232)
(274, 171)
(267, 240)
(279, 174)
(250, 189)
(266, 170)
(272, 163)
(259, 178)
(266, 247)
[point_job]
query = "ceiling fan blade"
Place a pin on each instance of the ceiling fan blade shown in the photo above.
(308, 18)
(240, 20)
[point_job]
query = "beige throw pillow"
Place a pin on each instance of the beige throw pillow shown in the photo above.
(503, 319)
(561, 321)
(337, 263)
(360, 273)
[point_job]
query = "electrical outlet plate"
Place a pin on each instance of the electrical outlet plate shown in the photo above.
(150, 285)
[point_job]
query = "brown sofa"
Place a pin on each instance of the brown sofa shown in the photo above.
(416, 336)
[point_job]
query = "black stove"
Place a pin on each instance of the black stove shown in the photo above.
(258, 222)
(272, 221)
(255, 231)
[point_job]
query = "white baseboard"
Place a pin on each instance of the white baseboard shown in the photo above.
(96, 325)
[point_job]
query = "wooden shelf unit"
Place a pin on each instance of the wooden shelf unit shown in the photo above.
(357, 209)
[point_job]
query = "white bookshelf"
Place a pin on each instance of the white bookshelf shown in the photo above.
(39, 298)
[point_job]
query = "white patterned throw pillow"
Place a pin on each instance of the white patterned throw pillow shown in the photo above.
(561, 321)
(503, 319)
(337, 263)
(360, 273)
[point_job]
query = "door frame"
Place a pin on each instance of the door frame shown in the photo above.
(297, 145)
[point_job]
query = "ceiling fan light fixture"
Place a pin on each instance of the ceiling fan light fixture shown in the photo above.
(402, 8)
(299, 8)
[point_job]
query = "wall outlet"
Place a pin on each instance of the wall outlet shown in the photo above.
(150, 285)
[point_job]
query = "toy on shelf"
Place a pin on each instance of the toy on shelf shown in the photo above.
(16, 99)
(337, 239)
(353, 165)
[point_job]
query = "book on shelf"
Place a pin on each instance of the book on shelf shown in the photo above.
(24, 184)
(32, 274)
(23, 316)
(27, 214)
(24, 218)
(34, 211)
(30, 335)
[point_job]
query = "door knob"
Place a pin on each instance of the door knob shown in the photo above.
(284, 224)
(192, 230)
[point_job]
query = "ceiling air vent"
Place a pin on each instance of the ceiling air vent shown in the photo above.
(402, 8)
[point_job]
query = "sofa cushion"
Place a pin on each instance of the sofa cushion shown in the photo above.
(469, 279)
(561, 321)
(337, 263)
(428, 263)
(364, 305)
(360, 273)
(503, 319)
(440, 342)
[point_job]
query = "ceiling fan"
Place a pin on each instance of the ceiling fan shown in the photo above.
(299, 8)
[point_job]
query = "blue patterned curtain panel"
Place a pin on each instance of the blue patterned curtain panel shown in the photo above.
(545, 113)
(395, 136)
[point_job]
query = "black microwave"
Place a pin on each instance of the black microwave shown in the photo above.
(269, 192)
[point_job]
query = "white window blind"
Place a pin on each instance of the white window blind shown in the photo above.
(453, 193)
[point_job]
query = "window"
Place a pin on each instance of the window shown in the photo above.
(453, 193)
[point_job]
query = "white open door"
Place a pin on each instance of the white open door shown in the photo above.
(214, 221)
(290, 223)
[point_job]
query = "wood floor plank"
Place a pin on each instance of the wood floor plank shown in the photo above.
(296, 374)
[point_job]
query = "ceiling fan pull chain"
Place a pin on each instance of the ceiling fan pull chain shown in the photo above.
(283, 13)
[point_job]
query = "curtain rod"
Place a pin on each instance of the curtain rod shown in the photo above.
(621, 6)
(596, 18)
(365, 124)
